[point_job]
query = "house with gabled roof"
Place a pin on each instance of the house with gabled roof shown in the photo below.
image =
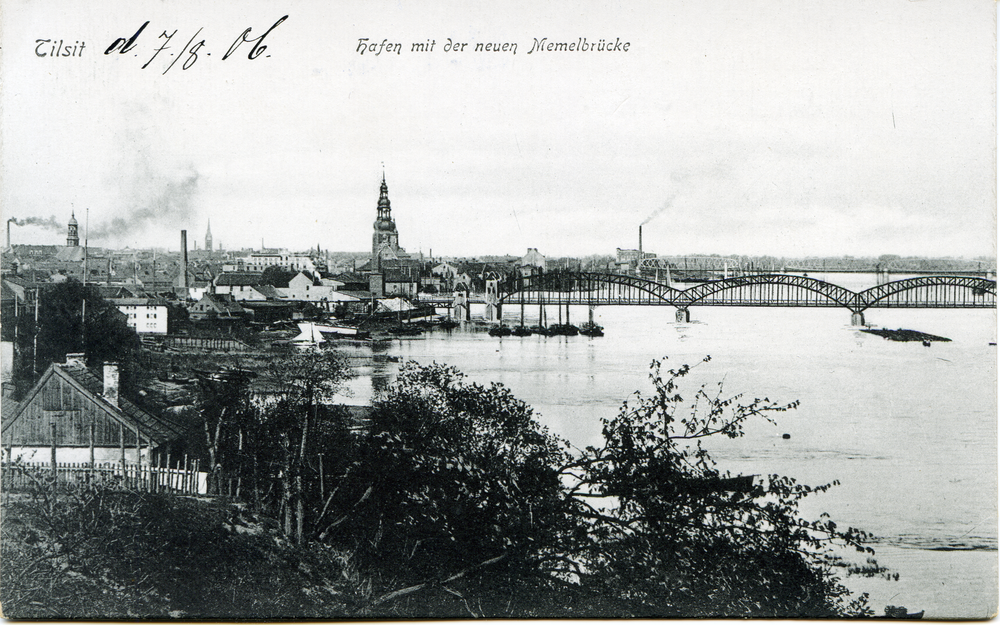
(217, 306)
(320, 291)
(80, 412)
(236, 282)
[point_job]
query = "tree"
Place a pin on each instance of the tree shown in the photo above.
(455, 493)
(178, 318)
(679, 537)
(228, 415)
(459, 502)
(300, 384)
(73, 318)
(263, 419)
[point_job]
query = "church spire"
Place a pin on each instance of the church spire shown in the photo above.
(208, 237)
(385, 239)
(384, 211)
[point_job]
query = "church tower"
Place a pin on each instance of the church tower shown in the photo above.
(72, 234)
(208, 237)
(385, 240)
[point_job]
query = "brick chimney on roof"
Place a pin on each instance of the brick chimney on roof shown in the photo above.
(111, 382)
(76, 360)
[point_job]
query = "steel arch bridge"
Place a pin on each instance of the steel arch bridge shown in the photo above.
(693, 263)
(776, 290)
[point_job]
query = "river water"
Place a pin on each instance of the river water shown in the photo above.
(910, 432)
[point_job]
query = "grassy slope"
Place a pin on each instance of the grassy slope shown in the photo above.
(127, 555)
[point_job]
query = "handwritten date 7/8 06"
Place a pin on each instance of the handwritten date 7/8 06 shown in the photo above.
(191, 50)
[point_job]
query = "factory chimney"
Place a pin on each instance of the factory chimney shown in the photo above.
(183, 282)
(638, 263)
(8, 232)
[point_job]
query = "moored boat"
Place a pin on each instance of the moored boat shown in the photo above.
(564, 329)
(314, 333)
(405, 329)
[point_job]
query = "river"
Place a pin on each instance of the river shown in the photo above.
(910, 432)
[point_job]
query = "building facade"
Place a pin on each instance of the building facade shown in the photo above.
(144, 315)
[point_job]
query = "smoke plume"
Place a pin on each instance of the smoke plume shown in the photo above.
(48, 224)
(689, 179)
(656, 213)
(157, 201)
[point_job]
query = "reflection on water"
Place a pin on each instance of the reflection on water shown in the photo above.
(909, 431)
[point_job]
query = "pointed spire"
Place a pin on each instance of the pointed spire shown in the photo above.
(383, 201)
(208, 237)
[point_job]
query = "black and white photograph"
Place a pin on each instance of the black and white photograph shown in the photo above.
(379, 310)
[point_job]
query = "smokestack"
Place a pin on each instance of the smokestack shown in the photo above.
(638, 271)
(184, 260)
(111, 382)
(8, 233)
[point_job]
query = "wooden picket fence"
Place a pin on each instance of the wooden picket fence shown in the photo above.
(15, 476)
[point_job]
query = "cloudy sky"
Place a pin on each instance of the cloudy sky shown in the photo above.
(730, 127)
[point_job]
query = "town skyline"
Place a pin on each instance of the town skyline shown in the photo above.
(219, 252)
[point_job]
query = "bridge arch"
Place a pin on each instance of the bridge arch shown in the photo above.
(769, 290)
(957, 291)
(591, 287)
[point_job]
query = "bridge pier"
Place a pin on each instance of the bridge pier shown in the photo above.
(460, 307)
(492, 301)
(857, 318)
(683, 315)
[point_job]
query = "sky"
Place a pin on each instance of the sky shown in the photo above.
(788, 128)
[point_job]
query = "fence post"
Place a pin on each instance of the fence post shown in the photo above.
(138, 457)
(121, 443)
(92, 428)
(55, 474)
